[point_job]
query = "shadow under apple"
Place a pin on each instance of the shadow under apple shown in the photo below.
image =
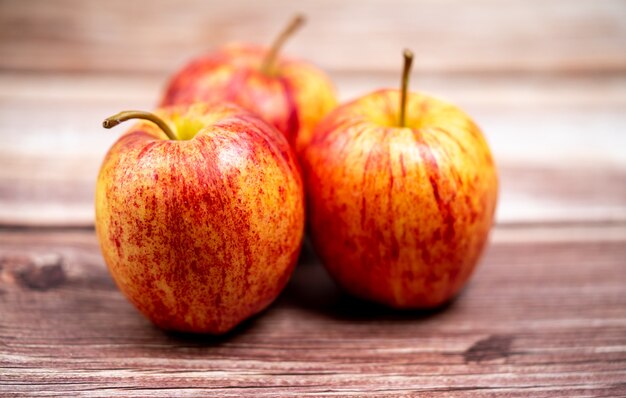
(312, 289)
(199, 340)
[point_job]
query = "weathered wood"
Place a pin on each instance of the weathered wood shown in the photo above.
(540, 318)
(545, 313)
(558, 140)
(485, 36)
(48, 191)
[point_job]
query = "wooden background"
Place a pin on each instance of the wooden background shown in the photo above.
(544, 315)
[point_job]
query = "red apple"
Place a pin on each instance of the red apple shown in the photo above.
(199, 215)
(401, 189)
(292, 95)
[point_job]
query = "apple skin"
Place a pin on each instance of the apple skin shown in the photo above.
(203, 233)
(293, 99)
(399, 216)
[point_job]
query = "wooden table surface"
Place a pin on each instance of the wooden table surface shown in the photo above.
(545, 313)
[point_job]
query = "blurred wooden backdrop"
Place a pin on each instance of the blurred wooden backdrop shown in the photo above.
(544, 316)
(546, 80)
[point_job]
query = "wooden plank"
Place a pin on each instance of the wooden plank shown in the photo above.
(545, 314)
(558, 140)
(47, 192)
(454, 36)
(541, 318)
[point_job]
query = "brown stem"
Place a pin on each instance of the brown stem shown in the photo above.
(126, 115)
(406, 71)
(270, 59)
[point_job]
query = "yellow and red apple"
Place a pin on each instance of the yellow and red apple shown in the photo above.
(292, 95)
(401, 192)
(200, 215)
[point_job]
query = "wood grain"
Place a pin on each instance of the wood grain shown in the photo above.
(545, 313)
(537, 319)
(567, 128)
(453, 36)
(557, 70)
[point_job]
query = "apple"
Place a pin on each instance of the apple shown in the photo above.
(199, 215)
(292, 95)
(401, 192)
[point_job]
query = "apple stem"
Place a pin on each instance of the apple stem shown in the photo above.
(406, 71)
(270, 59)
(126, 115)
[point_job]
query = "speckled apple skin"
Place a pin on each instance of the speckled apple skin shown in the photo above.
(400, 216)
(294, 99)
(201, 234)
